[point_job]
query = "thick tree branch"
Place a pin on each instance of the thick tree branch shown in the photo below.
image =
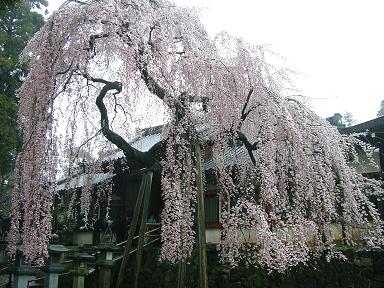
(152, 85)
(135, 158)
(250, 147)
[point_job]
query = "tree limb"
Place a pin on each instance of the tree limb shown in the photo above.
(250, 147)
(240, 135)
(243, 113)
(152, 85)
(135, 158)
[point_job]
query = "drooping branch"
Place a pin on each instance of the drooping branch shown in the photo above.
(151, 84)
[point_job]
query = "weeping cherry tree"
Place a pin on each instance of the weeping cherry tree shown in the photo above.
(281, 170)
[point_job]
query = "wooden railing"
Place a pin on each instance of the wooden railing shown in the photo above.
(6, 270)
(148, 234)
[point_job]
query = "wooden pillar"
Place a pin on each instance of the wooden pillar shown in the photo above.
(181, 273)
(381, 157)
(203, 278)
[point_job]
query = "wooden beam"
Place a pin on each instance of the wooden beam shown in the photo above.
(144, 216)
(131, 232)
(181, 273)
(203, 278)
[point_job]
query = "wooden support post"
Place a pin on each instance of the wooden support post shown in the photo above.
(144, 216)
(181, 273)
(132, 229)
(203, 283)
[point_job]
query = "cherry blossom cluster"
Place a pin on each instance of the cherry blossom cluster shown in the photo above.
(37, 163)
(178, 187)
(249, 238)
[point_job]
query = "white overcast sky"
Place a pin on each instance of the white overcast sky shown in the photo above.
(337, 46)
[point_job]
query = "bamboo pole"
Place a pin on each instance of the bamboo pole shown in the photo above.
(203, 283)
(131, 231)
(140, 246)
